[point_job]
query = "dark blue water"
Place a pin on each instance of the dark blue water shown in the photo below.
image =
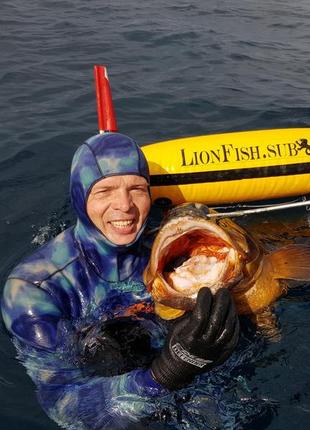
(177, 68)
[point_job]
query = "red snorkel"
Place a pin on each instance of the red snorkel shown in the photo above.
(105, 109)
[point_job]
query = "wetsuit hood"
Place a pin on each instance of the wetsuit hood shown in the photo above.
(102, 156)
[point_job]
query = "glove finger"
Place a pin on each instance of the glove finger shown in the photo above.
(199, 318)
(230, 346)
(226, 339)
(222, 303)
(179, 327)
(231, 323)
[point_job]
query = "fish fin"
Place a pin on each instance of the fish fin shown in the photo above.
(166, 312)
(291, 262)
(267, 324)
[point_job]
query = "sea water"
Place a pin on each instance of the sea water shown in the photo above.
(177, 68)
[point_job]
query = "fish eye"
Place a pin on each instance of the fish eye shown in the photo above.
(203, 208)
(189, 206)
(192, 209)
(198, 208)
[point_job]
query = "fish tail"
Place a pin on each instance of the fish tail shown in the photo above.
(291, 262)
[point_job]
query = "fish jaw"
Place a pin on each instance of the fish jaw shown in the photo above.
(178, 289)
(164, 294)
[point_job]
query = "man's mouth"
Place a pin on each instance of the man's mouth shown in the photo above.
(122, 224)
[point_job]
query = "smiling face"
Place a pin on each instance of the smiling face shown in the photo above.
(118, 207)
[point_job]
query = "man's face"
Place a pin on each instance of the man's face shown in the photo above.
(118, 206)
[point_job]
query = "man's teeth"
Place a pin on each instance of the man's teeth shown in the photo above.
(121, 224)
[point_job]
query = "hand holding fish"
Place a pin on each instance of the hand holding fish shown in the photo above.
(199, 341)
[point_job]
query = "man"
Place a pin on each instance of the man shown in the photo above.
(65, 304)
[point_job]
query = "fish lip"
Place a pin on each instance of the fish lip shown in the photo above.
(185, 225)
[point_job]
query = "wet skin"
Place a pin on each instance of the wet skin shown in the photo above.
(118, 206)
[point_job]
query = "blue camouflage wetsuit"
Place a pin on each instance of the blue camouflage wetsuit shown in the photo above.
(73, 283)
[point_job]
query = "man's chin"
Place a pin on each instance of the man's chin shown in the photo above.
(121, 238)
(123, 241)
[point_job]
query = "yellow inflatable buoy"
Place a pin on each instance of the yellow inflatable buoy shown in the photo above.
(231, 167)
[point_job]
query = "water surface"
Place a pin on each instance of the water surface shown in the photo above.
(177, 68)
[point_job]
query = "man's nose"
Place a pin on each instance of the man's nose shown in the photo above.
(123, 201)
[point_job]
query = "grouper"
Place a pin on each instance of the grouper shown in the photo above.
(192, 251)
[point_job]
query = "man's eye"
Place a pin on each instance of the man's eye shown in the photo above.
(101, 193)
(141, 189)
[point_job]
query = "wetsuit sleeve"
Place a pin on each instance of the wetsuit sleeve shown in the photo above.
(30, 314)
(73, 395)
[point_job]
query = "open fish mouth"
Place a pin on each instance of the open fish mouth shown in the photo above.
(198, 258)
(189, 253)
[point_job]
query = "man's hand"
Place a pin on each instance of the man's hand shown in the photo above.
(115, 346)
(198, 341)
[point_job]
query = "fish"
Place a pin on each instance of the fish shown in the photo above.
(192, 250)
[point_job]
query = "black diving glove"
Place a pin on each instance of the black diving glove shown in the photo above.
(198, 341)
(97, 348)
(115, 346)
